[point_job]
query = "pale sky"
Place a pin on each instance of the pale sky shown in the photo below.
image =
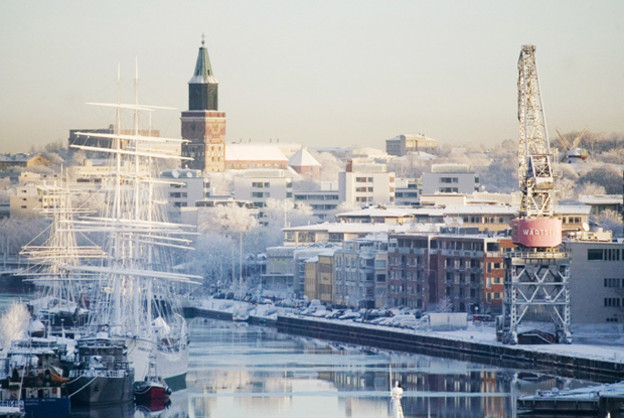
(321, 73)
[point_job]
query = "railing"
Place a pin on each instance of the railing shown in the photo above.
(97, 373)
(13, 403)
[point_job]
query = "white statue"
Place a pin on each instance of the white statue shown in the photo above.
(395, 400)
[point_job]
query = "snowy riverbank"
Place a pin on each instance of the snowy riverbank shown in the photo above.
(590, 341)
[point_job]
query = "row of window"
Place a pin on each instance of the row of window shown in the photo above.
(606, 254)
(613, 282)
(613, 302)
(449, 180)
(317, 197)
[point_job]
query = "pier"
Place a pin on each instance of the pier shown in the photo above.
(600, 400)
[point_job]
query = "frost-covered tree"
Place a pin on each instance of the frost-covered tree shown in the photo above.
(445, 305)
(14, 324)
(606, 176)
(225, 219)
(17, 232)
(213, 258)
(588, 189)
(331, 165)
(227, 226)
(283, 213)
(501, 176)
(612, 221)
(411, 165)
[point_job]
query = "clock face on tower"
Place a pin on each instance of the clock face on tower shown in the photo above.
(216, 127)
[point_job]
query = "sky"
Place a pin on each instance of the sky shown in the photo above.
(316, 72)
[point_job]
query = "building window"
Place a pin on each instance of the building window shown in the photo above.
(593, 254)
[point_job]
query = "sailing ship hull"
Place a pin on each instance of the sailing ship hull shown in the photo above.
(98, 390)
(172, 365)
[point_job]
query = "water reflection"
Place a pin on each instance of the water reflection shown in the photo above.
(247, 371)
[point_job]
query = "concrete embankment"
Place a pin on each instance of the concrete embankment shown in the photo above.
(503, 356)
(401, 340)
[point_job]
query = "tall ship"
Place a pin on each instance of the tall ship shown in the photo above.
(60, 300)
(134, 293)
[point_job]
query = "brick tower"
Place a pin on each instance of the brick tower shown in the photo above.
(203, 125)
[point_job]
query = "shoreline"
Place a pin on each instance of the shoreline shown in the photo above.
(447, 346)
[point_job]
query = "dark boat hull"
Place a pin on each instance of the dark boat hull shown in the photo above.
(47, 407)
(89, 391)
(150, 393)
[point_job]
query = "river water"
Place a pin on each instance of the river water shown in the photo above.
(239, 370)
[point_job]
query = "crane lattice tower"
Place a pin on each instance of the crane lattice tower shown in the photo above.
(537, 271)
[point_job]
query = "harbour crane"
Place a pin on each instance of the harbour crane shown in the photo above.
(537, 270)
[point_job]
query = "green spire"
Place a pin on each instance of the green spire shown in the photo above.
(203, 70)
(203, 86)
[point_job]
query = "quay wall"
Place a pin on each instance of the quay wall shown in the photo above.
(499, 355)
(401, 340)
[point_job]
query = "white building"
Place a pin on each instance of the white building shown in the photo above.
(450, 178)
(366, 184)
(402, 144)
(186, 188)
(323, 203)
(259, 185)
(596, 281)
(407, 192)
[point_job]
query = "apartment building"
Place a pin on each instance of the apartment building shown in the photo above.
(450, 178)
(596, 281)
(460, 267)
(364, 184)
(360, 273)
(259, 185)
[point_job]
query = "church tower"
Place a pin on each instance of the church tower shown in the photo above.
(202, 124)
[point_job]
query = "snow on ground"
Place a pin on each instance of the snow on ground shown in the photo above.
(483, 333)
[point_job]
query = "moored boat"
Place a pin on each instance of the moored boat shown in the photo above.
(102, 374)
(32, 378)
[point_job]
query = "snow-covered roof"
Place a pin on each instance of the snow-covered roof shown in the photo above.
(14, 158)
(369, 151)
(485, 209)
(380, 211)
(419, 155)
(253, 152)
(395, 211)
(602, 199)
(181, 173)
(358, 228)
(303, 158)
(572, 209)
